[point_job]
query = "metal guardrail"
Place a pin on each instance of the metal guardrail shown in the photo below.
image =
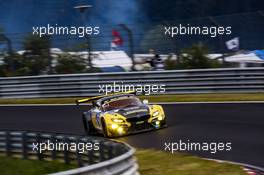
(176, 82)
(111, 158)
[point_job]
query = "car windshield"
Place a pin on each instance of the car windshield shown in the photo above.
(121, 103)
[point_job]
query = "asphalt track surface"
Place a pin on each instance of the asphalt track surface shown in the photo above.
(240, 124)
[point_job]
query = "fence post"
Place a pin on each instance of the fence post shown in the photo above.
(38, 139)
(102, 151)
(65, 151)
(22, 140)
(110, 151)
(90, 157)
(24, 145)
(54, 151)
(78, 155)
(8, 144)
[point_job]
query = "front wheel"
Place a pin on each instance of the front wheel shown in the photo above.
(87, 125)
(104, 129)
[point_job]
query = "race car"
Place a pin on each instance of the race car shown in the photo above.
(121, 114)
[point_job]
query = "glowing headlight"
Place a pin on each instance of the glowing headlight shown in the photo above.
(114, 126)
(160, 118)
(120, 130)
(155, 113)
(117, 120)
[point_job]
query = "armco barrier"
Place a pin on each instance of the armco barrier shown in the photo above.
(176, 82)
(111, 157)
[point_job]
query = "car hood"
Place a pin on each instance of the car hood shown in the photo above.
(133, 111)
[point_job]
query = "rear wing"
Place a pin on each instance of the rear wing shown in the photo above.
(86, 100)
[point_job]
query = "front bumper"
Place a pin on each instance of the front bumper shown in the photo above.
(136, 127)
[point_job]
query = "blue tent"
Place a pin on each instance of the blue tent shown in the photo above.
(260, 53)
(112, 69)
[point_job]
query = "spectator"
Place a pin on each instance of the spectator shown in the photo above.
(157, 63)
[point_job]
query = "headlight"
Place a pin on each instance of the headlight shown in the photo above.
(118, 120)
(160, 118)
(156, 113)
(114, 126)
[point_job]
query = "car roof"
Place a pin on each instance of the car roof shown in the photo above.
(107, 98)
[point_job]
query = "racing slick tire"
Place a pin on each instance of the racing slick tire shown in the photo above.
(87, 124)
(104, 129)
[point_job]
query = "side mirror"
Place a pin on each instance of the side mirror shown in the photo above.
(145, 101)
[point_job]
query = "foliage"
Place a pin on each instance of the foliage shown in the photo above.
(68, 64)
(9, 60)
(196, 57)
(170, 63)
(93, 70)
(34, 61)
(36, 57)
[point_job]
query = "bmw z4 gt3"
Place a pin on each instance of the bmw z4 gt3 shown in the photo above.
(121, 114)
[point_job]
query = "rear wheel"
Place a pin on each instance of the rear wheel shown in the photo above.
(87, 124)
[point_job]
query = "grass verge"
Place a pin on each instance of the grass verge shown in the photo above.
(158, 98)
(153, 162)
(17, 166)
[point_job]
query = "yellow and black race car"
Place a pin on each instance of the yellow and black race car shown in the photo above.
(121, 114)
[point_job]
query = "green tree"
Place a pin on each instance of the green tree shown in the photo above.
(36, 57)
(34, 61)
(196, 57)
(170, 63)
(68, 64)
(19, 64)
